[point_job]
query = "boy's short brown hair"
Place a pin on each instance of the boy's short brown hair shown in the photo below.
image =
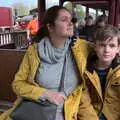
(106, 32)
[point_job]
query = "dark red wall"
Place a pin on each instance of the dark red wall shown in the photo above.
(5, 16)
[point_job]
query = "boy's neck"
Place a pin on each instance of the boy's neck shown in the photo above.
(102, 65)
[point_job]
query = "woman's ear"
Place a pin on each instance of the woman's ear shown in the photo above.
(49, 27)
(118, 55)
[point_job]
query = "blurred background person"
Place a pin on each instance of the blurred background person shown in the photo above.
(32, 28)
(87, 30)
(75, 27)
(101, 21)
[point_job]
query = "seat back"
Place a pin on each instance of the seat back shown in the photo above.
(10, 60)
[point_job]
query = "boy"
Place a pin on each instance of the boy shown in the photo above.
(103, 73)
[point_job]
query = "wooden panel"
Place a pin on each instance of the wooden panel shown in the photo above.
(10, 60)
(8, 46)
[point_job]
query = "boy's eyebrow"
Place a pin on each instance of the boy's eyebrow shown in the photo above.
(109, 39)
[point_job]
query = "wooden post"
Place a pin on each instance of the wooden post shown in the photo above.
(117, 13)
(41, 9)
(87, 11)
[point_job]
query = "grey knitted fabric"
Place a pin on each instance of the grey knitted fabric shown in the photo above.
(49, 73)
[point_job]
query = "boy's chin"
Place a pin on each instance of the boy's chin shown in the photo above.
(107, 61)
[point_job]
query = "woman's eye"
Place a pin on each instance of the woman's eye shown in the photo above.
(63, 20)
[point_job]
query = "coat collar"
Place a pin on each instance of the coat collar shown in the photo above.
(92, 58)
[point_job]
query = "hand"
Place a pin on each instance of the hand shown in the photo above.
(54, 97)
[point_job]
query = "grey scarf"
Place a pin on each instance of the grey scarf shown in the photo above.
(52, 61)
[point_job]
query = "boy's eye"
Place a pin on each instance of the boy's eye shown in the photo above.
(112, 45)
(102, 45)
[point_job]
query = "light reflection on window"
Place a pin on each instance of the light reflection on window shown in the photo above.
(50, 3)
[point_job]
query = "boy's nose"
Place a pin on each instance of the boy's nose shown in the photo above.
(106, 49)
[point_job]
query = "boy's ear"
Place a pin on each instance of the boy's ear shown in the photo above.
(119, 49)
(94, 46)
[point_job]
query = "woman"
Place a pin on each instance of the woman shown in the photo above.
(48, 62)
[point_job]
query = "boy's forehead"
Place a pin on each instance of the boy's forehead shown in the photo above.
(109, 40)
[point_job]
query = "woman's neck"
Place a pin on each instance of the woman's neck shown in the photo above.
(58, 42)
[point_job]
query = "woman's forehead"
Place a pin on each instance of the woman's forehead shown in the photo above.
(63, 13)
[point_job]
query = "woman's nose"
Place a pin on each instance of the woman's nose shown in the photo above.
(70, 22)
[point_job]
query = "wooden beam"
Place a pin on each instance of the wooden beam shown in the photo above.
(41, 8)
(114, 12)
(87, 11)
(90, 2)
(111, 12)
(86, 1)
(117, 13)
